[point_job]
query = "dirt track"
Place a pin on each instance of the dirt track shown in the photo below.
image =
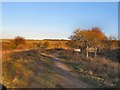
(66, 78)
(62, 72)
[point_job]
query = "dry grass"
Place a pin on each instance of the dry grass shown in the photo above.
(27, 69)
(100, 67)
(9, 45)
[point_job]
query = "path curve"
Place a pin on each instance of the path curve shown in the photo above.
(66, 78)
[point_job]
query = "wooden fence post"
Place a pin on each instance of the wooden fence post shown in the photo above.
(95, 53)
(87, 54)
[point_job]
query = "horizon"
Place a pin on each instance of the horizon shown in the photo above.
(53, 20)
(32, 39)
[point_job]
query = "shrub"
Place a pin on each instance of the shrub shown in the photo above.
(19, 41)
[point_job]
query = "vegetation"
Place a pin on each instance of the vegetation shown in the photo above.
(32, 63)
(46, 44)
(28, 69)
(19, 41)
(100, 68)
(92, 37)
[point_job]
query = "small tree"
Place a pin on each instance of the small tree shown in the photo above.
(19, 41)
(91, 37)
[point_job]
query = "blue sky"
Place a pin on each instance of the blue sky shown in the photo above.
(57, 20)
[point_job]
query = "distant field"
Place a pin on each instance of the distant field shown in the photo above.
(33, 43)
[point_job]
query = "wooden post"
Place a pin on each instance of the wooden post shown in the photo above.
(95, 53)
(87, 54)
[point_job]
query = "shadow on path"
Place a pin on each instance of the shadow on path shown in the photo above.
(66, 78)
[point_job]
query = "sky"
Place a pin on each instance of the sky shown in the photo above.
(57, 20)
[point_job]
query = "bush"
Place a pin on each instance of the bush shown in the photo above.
(19, 41)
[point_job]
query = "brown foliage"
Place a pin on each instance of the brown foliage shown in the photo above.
(19, 41)
(91, 37)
